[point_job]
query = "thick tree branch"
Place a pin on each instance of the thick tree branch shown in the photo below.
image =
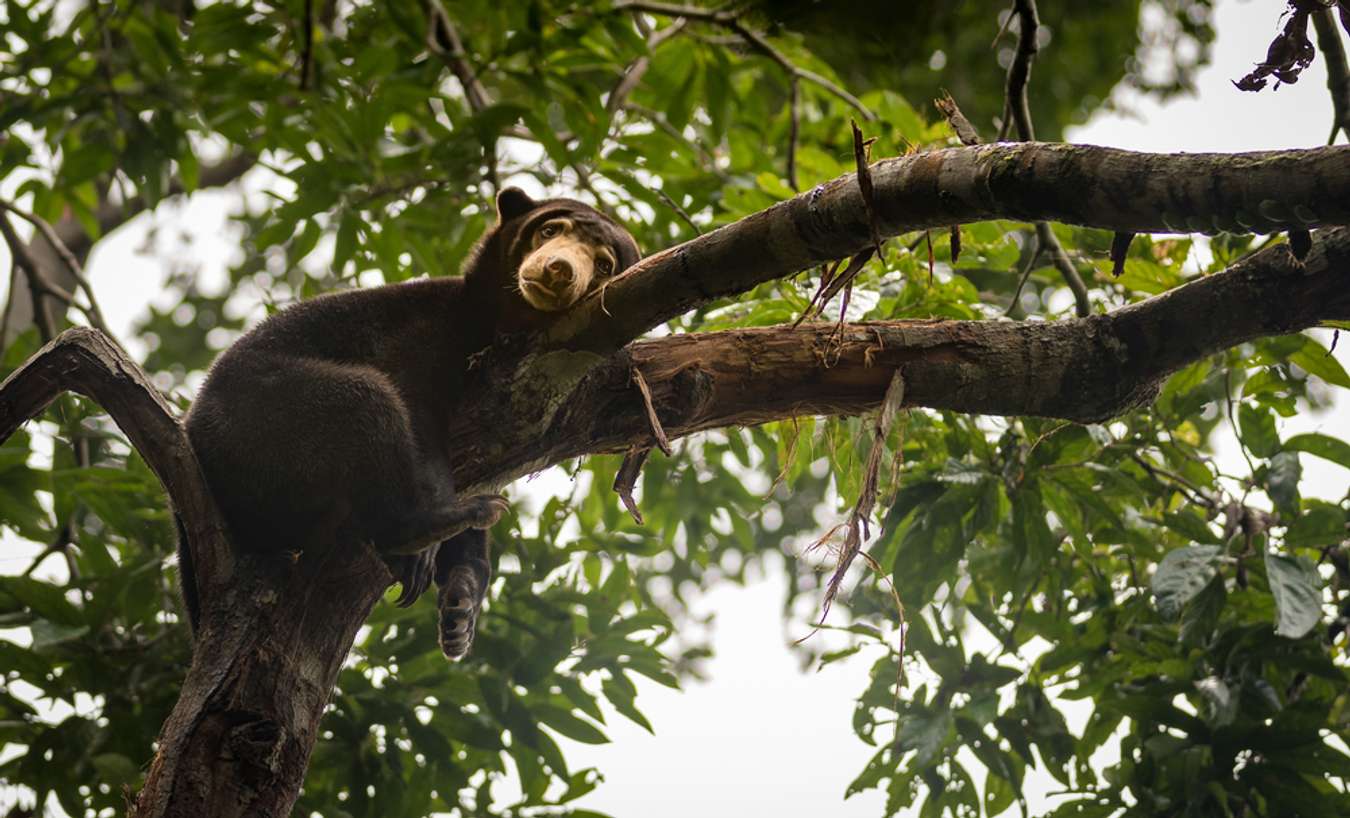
(1266, 191)
(1085, 370)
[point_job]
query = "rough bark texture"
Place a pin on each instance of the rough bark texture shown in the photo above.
(274, 634)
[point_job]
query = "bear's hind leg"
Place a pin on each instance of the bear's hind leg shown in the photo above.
(463, 572)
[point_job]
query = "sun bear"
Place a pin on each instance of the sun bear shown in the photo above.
(328, 422)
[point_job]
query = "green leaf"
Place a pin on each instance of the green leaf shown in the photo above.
(44, 599)
(1201, 614)
(1258, 430)
(1320, 524)
(569, 725)
(622, 695)
(1328, 448)
(1191, 526)
(47, 635)
(1314, 359)
(346, 240)
(1297, 589)
(1181, 575)
(925, 732)
(1282, 479)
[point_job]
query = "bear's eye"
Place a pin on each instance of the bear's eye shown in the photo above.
(604, 265)
(550, 230)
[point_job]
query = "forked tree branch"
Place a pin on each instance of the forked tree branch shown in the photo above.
(87, 362)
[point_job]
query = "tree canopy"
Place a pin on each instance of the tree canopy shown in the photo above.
(1043, 521)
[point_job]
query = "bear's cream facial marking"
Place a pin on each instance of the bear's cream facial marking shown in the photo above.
(565, 265)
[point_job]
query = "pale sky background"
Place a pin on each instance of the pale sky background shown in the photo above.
(762, 737)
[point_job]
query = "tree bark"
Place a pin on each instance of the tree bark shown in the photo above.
(275, 632)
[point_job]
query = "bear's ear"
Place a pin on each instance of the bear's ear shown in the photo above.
(512, 203)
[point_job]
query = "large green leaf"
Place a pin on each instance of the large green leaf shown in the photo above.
(1183, 574)
(1298, 594)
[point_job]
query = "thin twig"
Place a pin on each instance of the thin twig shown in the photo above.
(1016, 108)
(1062, 262)
(626, 478)
(657, 119)
(960, 125)
(454, 56)
(1193, 492)
(1025, 273)
(858, 529)
(679, 211)
(307, 54)
(1232, 420)
(766, 48)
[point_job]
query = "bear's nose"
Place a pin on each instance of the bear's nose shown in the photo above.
(560, 270)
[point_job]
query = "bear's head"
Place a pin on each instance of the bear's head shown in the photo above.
(559, 249)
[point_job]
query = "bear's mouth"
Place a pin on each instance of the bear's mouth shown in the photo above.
(541, 297)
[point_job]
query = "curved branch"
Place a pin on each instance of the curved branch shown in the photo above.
(1016, 107)
(1113, 189)
(87, 362)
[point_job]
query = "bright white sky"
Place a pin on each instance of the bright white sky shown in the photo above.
(762, 737)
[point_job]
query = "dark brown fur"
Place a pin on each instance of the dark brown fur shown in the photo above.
(328, 422)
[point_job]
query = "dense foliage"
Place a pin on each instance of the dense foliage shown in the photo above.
(1044, 567)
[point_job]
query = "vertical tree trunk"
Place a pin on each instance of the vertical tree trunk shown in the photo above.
(238, 742)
